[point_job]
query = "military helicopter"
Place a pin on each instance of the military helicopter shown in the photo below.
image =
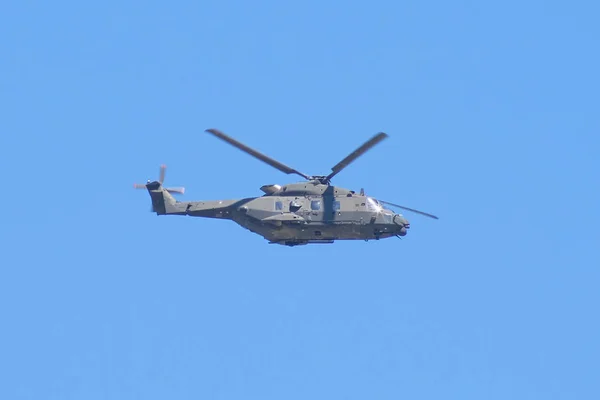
(307, 212)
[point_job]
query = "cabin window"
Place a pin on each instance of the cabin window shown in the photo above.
(315, 205)
(336, 205)
(295, 206)
(279, 205)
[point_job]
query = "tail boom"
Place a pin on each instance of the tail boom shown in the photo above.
(163, 203)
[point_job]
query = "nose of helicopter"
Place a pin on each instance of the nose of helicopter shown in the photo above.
(402, 223)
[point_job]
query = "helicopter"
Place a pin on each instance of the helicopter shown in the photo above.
(312, 211)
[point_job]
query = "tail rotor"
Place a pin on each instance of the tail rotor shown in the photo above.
(161, 179)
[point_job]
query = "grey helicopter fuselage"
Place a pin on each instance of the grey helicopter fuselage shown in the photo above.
(295, 214)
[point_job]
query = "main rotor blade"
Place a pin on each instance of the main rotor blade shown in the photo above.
(273, 163)
(356, 153)
(408, 209)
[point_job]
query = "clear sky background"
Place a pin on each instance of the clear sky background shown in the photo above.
(492, 112)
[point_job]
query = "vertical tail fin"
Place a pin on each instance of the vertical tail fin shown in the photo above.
(162, 201)
(160, 198)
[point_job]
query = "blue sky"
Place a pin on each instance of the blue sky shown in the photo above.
(492, 112)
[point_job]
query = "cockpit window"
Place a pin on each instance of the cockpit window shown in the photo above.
(373, 205)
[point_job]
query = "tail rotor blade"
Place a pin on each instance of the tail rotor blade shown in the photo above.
(178, 190)
(161, 178)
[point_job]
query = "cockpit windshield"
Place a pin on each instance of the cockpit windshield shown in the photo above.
(373, 205)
